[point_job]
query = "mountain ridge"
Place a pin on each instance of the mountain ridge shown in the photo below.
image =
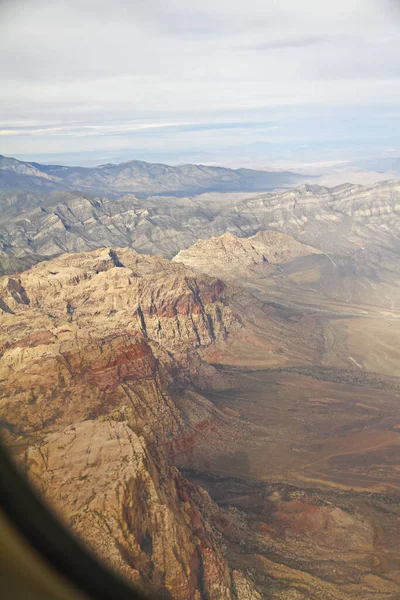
(344, 220)
(139, 177)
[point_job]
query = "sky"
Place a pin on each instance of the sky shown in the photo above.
(232, 82)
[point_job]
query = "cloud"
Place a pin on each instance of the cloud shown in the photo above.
(89, 130)
(96, 72)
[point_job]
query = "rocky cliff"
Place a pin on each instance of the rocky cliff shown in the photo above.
(89, 425)
(105, 289)
(232, 257)
(99, 371)
(89, 406)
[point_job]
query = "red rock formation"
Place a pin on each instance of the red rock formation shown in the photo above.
(86, 406)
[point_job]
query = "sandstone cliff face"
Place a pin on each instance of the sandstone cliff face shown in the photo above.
(131, 507)
(163, 301)
(89, 403)
(103, 290)
(90, 425)
(102, 372)
(232, 257)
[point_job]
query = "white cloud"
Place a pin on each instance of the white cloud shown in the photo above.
(69, 68)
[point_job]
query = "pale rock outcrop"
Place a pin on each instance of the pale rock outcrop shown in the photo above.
(231, 257)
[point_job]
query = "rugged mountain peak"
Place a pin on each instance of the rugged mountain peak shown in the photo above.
(17, 167)
(229, 255)
(97, 291)
(93, 404)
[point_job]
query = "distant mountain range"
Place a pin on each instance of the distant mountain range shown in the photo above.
(140, 178)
